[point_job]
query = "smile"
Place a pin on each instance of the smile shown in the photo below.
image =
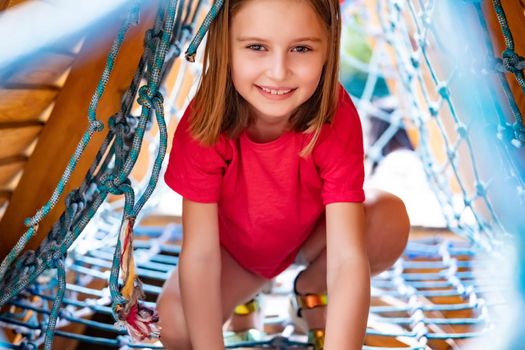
(270, 92)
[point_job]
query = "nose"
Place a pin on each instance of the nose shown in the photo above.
(278, 66)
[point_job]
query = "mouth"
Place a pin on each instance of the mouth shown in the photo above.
(276, 92)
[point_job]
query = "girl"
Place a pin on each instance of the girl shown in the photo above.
(269, 160)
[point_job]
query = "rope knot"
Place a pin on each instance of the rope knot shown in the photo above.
(151, 37)
(462, 131)
(481, 190)
(519, 132)
(110, 184)
(27, 345)
(187, 31)
(176, 50)
(125, 125)
(443, 90)
(511, 62)
(28, 258)
(75, 200)
(146, 98)
(113, 122)
(53, 255)
(97, 125)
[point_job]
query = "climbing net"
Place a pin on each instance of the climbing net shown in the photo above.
(411, 300)
(429, 296)
(454, 101)
(454, 95)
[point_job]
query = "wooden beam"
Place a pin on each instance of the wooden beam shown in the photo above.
(67, 124)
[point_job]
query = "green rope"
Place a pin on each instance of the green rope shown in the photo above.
(61, 272)
(192, 49)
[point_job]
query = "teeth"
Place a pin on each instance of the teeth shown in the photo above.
(276, 92)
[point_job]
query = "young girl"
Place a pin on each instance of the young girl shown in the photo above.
(269, 160)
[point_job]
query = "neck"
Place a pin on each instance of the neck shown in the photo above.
(266, 131)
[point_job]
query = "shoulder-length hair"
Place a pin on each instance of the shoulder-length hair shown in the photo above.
(218, 108)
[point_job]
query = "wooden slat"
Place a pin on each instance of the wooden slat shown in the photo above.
(14, 141)
(4, 196)
(21, 105)
(12, 160)
(48, 68)
(4, 199)
(66, 126)
(9, 171)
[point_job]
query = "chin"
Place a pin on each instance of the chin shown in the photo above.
(276, 113)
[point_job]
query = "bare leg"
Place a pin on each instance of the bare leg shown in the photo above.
(237, 286)
(387, 228)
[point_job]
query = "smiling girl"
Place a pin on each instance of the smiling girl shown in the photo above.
(269, 160)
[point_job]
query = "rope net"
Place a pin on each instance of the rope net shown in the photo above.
(418, 85)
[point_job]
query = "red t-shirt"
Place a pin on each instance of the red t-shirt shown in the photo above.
(269, 199)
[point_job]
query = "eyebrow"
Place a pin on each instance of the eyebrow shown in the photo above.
(251, 38)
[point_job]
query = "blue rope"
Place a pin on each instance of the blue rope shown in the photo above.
(203, 29)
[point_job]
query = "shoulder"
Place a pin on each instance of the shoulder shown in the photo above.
(345, 127)
(345, 116)
(184, 139)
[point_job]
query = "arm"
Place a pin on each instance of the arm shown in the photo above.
(200, 272)
(348, 277)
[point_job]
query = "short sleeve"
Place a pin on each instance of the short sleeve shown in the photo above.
(194, 170)
(339, 155)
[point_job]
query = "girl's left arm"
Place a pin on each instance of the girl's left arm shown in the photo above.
(348, 276)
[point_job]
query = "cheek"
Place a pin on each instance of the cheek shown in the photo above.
(241, 72)
(311, 73)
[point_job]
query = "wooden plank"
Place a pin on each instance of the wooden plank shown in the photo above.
(24, 104)
(69, 117)
(46, 68)
(4, 200)
(4, 196)
(14, 141)
(12, 160)
(9, 171)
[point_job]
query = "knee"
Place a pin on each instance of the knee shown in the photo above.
(173, 333)
(399, 218)
(389, 211)
(389, 226)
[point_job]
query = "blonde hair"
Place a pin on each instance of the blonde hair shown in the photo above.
(218, 108)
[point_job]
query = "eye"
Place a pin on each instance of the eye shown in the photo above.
(255, 47)
(301, 49)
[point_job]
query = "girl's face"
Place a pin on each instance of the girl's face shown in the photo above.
(278, 49)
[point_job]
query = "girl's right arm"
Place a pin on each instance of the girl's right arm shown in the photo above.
(200, 274)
